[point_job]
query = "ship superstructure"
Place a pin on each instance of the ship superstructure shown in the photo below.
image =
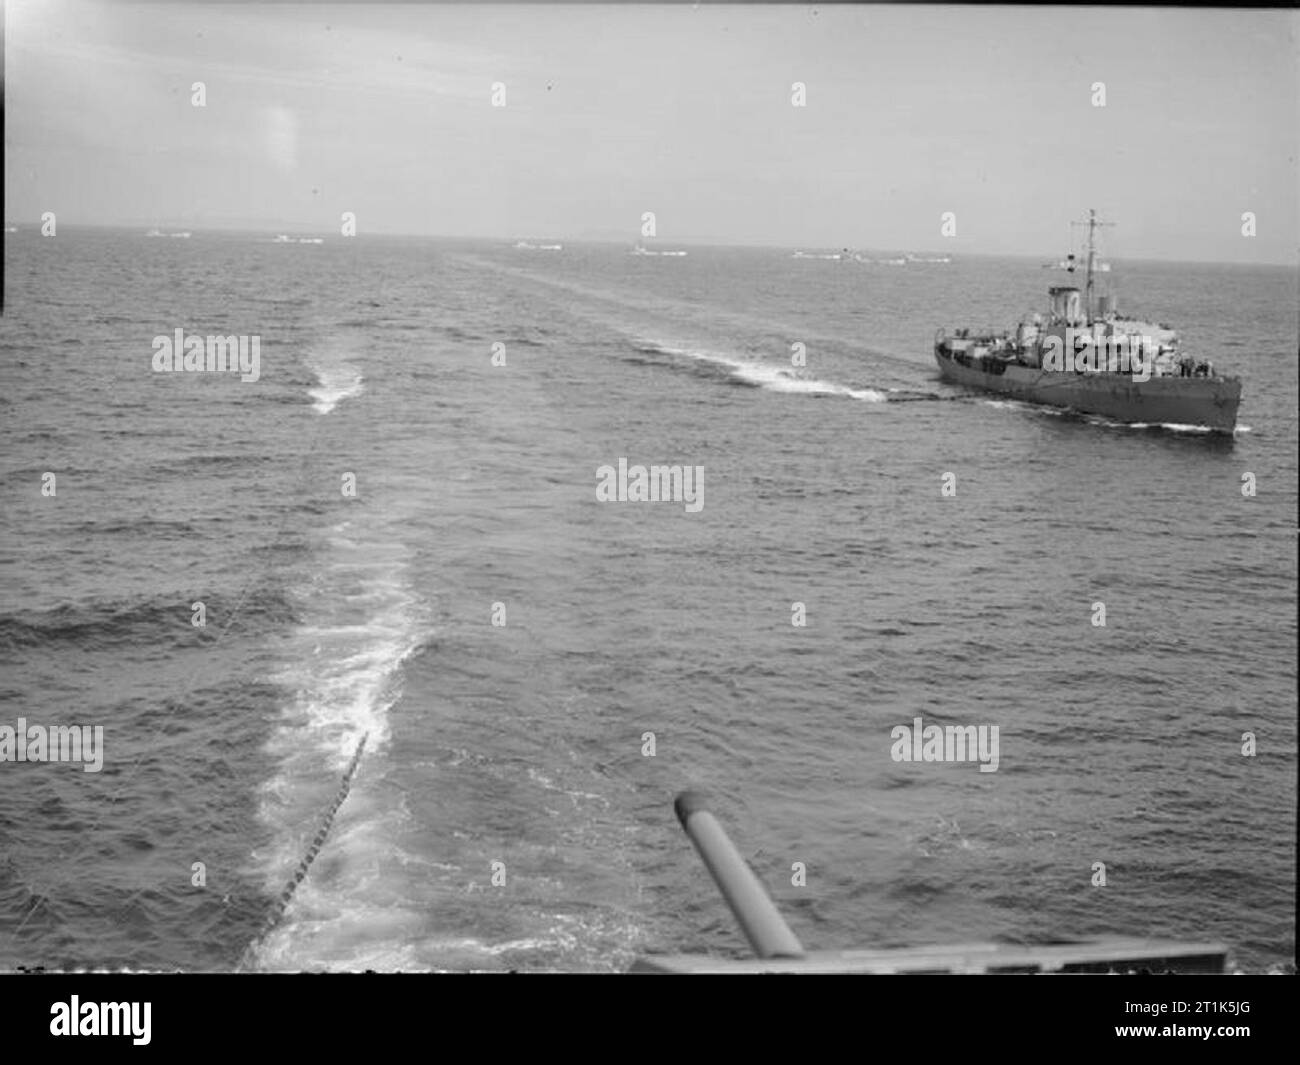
(1085, 355)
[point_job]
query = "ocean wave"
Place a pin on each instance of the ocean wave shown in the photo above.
(160, 620)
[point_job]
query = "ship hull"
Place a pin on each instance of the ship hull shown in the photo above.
(1209, 402)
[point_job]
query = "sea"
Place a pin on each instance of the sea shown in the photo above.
(384, 684)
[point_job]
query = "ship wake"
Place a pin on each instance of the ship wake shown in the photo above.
(342, 670)
(336, 380)
(756, 374)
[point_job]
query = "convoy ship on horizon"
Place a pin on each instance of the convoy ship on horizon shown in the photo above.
(1094, 374)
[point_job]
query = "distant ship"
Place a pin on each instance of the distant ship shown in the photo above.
(539, 247)
(155, 232)
(867, 260)
(1090, 358)
(641, 249)
(284, 238)
(1068, 263)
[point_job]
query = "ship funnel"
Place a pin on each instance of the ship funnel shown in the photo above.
(1067, 305)
(1105, 305)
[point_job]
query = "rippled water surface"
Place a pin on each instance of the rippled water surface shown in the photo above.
(333, 617)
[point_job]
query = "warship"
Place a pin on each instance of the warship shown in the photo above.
(1086, 356)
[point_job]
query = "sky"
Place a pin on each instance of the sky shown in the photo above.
(611, 111)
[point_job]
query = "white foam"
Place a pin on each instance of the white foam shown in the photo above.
(773, 378)
(343, 687)
(1177, 427)
(337, 381)
(1095, 419)
(1172, 427)
(341, 673)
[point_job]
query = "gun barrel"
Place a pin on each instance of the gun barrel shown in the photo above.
(759, 919)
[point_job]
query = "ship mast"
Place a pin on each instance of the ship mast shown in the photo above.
(1092, 225)
(1092, 251)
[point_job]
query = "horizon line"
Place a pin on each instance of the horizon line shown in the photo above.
(297, 229)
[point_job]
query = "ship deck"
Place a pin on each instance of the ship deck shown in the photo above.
(1115, 954)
